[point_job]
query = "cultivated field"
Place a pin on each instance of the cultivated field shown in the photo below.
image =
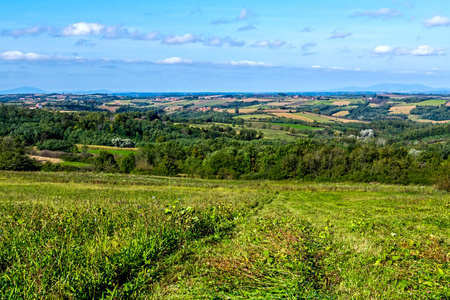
(99, 236)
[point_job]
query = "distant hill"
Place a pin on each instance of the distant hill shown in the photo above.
(89, 92)
(24, 90)
(394, 88)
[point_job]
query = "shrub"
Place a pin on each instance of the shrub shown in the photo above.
(13, 161)
(105, 161)
(56, 145)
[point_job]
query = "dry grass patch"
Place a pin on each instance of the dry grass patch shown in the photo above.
(401, 109)
(110, 108)
(341, 114)
(342, 103)
(292, 116)
(43, 159)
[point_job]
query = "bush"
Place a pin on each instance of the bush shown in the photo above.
(56, 145)
(105, 161)
(127, 163)
(122, 143)
(13, 161)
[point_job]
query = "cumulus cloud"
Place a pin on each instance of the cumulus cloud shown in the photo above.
(425, 50)
(33, 30)
(18, 56)
(248, 63)
(308, 46)
(306, 29)
(406, 4)
(246, 28)
(268, 44)
(83, 28)
(422, 50)
(85, 43)
(385, 13)
(340, 35)
(436, 21)
(382, 50)
(173, 61)
(180, 39)
(31, 56)
(219, 42)
(244, 15)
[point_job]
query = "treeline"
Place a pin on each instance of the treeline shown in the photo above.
(304, 160)
(435, 113)
(100, 128)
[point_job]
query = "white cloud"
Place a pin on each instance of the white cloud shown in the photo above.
(422, 50)
(244, 15)
(34, 30)
(83, 28)
(340, 35)
(173, 61)
(84, 42)
(306, 29)
(268, 44)
(425, 50)
(17, 55)
(248, 63)
(382, 50)
(219, 42)
(436, 21)
(385, 13)
(307, 46)
(246, 28)
(179, 40)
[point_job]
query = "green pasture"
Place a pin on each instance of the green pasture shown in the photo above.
(314, 117)
(431, 103)
(112, 151)
(103, 236)
(254, 116)
(74, 164)
(296, 126)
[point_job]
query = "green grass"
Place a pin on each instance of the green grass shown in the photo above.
(314, 117)
(430, 102)
(253, 116)
(113, 151)
(74, 163)
(296, 126)
(97, 236)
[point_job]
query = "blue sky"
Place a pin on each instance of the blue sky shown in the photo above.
(232, 46)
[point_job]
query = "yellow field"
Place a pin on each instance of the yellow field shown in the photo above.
(243, 110)
(342, 103)
(341, 113)
(336, 119)
(110, 108)
(292, 116)
(43, 159)
(98, 147)
(401, 109)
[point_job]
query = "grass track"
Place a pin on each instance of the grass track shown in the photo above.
(266, 240)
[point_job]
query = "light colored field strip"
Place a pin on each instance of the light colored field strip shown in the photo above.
(341, 113)
(401, 109)
(45, 159)
(341, 103)
(292, 116)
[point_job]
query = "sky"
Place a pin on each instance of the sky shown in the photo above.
(229, 46)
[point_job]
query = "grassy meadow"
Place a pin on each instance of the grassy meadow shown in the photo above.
(100, 236)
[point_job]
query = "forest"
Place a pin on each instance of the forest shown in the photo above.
(217, 145)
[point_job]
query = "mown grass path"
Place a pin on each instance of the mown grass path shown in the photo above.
(102, 236)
